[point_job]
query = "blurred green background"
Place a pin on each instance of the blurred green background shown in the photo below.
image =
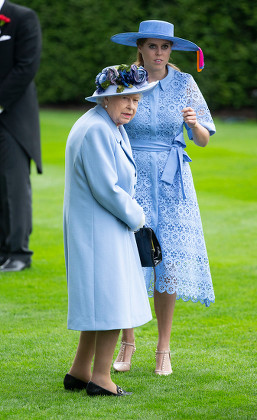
(76, 45)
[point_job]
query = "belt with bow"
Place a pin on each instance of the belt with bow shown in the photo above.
(177, 155)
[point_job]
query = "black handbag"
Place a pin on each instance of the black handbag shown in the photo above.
(149, 249)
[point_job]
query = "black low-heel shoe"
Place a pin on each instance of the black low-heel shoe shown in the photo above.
(94, 390)
(72, 384)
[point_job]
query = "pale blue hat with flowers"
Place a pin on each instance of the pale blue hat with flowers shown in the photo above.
(121, 79)
(161, 30)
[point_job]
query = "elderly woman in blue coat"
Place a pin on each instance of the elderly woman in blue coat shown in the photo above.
(106, 288)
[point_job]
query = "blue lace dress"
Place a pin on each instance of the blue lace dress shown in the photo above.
(165, 186)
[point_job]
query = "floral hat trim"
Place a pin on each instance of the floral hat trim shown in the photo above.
(4, 19)
(123, 76)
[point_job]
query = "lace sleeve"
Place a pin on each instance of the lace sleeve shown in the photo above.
(196, 101)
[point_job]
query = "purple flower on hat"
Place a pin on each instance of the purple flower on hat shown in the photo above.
(112, 73)
(140, 75)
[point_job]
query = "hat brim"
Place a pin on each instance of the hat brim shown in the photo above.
(112, 91)
(130, 39)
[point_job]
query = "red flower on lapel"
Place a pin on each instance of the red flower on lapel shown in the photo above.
(4, 19)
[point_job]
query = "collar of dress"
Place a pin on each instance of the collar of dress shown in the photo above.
(164, 82)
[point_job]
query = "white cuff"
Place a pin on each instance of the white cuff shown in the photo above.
(142, 223)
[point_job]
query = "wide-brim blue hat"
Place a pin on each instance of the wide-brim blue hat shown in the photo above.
(121, 79)
(161, 30)
(112, 91)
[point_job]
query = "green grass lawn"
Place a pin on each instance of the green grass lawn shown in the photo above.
(213, 349)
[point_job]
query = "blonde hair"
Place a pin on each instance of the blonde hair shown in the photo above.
(140, 62)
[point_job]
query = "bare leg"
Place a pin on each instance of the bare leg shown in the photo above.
(105, 345)
(164, 305)
(128, 336)
(81, 367)
(164, 308)
(122, 362)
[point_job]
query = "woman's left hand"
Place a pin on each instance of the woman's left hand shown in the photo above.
(189, 116)
(200, 134)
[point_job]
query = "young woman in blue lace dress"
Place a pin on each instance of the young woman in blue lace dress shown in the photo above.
(165, 186)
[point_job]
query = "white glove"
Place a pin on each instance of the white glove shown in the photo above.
(142, 223)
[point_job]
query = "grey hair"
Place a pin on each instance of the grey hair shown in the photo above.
(100, 100)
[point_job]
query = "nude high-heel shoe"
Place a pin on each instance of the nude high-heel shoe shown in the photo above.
(163, 364)
(126, 352)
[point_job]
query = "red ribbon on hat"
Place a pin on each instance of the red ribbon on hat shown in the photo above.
(200, 60)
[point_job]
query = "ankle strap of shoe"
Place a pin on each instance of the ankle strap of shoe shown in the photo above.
(127, 344)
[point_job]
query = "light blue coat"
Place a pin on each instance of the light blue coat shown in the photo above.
(106, 288)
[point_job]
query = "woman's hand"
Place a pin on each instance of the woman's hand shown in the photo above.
(189, 116)
(201, 135)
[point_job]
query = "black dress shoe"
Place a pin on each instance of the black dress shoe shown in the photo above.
(72, 384)
(13, 265)
(94, 390)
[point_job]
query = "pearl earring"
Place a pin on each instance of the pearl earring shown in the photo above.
(105, 106)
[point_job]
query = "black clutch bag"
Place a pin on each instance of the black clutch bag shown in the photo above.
(149, 249)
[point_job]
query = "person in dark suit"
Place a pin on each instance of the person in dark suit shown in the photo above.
(20, 48)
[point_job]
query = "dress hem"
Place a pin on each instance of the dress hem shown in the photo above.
(207, 302)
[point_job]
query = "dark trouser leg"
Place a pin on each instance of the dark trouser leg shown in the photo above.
(15, 199)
